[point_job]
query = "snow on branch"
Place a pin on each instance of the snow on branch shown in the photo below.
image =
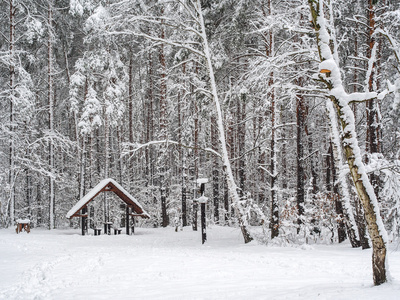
(132, 148)
(160, 40)
(393, 42)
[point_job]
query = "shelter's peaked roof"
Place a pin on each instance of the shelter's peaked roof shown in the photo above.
(108, 184)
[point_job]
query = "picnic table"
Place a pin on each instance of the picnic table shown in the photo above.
(23, 224)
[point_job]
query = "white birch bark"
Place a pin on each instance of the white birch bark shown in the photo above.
(340, 100)
(343, 171)
(232, 187)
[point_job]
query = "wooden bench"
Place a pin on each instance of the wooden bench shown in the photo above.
(23, 225)
(117, 231)
(97, 231)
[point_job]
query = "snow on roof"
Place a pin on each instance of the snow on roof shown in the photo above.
(202, 199)
(97, 189)
(23, 221)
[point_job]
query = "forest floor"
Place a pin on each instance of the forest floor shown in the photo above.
(164, 264)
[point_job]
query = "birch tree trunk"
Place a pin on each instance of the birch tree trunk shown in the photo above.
(351, 226)
(232, 187)
(340, 100)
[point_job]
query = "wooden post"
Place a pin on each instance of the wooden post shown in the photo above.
(203, 200)
(203, 223)
(127, 220)
(84, 220)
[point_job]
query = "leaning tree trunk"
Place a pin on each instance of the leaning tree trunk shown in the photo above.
(351, 226)
(331, 77)
(232, 187)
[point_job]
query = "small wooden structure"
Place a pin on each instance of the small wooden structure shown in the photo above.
(133, 207)
(23, 225)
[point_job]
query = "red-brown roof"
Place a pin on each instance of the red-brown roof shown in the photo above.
(108, 185)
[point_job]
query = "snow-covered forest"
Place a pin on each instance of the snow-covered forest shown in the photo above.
(290, 109)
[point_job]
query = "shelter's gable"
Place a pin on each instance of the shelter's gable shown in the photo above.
(108, 185)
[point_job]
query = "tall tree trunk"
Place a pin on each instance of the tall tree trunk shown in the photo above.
(106, 163)
(29, 192)
(340, 100)
(150, 123)
(51, 113)
(299, 161)
(274, 199)
(373, 122)
(359, 219)
(195, 174)
(215, 169)
(11, 175)
(163, 129)
(241, 142)
(130, 116)
(269, 51)
(232, 187)
(182, 158)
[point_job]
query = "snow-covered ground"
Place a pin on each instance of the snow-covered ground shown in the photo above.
(163, 264)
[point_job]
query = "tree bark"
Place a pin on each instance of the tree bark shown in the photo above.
(274, 199)
(11, 175)
(163, 129)
(339, 99)
(372, 105)
(299, 161)
(51, 113)
(215, 169)
(232, 187)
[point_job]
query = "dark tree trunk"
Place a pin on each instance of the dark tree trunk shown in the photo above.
(362, 229)
(163, 130)
(372, 106)
(299, 161)
(241, 125)
(226, 202)
(196, 156)
(11, 155)
(182, 158)
(274, 201)
(50, 94)
(215, 170)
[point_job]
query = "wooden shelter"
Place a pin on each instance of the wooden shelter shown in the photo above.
(133, 207)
